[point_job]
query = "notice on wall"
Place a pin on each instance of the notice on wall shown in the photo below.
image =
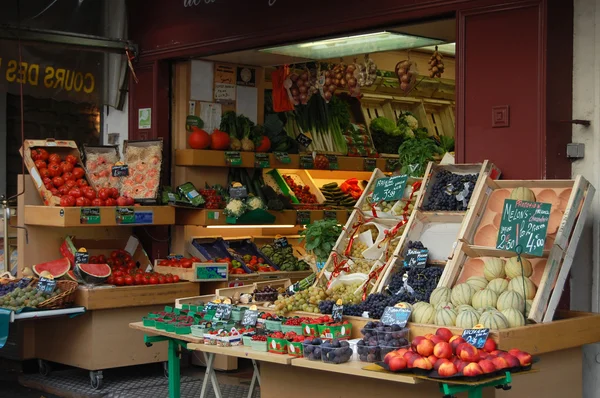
(225, 78)
(246, 102)
(224, 92)
(210, 113)
(202, 78)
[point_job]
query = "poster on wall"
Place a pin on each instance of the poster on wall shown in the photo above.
(225, 78)
(202, 81)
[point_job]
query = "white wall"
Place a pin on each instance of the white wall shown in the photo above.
(586, 105)
(116, 121)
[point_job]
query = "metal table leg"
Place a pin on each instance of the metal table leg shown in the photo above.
(255, 378)
(173, 365)
(449, 390)
(209, 374)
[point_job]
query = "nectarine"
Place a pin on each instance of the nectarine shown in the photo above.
(440, 361)
(442, 350)
(425, 347)
(447, 369)
(500, 363)
(444, 333)
(397, 363)
(490, 345)
(472, 369)
(487, 366)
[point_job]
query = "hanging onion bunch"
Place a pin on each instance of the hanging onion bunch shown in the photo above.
(407, 75)
(352, 73)
(339, 72)
(436, 64)
(327, 84)
(299, 87)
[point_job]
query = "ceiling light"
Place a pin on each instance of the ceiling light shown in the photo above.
(352, 45)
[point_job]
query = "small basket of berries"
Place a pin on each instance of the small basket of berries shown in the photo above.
(335, 330)
(294, 343)
(259, 343)
(276, 343)
(293, 325)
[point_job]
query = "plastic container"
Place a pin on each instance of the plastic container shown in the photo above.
(273, 325)
(210, 339)
(149, 322)
(247, 340)
(259, 346)
(266, 296)
(290, 328)
(237, 313)
(311, 352)
(295, 349)
(277, 346)
(229, 341)
(337, 355)
(161, 325)
(368, 353)
(199, 330)
(393, 336)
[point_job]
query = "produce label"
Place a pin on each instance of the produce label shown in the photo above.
(211, 272)
(238, 192)
(82, 257)
(262, 161)
(389, 188)
(333, 162)
(307, 162)
(250, 318)
(391, 164)
(337, 312)
(416, 258)
(302, 217)
(476, 337)
(223, 312)
(369, 164)
(89, 215)
(120, 171)
(125, 215)
(523, 226)
(330, 215)
(46, 285)
(282, 157)
(303, 140)
(395, 316)
(143, 217)
(233, 158)
(281, 243)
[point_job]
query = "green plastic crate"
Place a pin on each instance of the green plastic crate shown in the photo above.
(273, 325)
(290, 328)
(259, 346)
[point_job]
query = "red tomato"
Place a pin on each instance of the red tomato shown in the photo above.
(114, 254)
(93, 260)
(47, 180)
(110, 202)
(102, 259)
(66, 167)
(35, 155)
(80, 202)
(68, 176)
(54, 191)
(139, 271)
(186, 263)
(97, 202)
(58, 182)
(117, 273)
(67, 201)
(40, 164)
(114, 193)
(130, 264)
(43, 154)
(71, 159)
(87, 202)
(118, 262)
(76, 193)
(78, 172)
(54, 158)
(119, 281)
(139, 279)
(175, 278)
(82, 182)
(70, 184)
(103, 193)
(161, 279)
(153, 280)
(110, 280)
(44, 173)
(89, 193)
(169, 279)
(64, 190)
(129, 280)
(54, 170)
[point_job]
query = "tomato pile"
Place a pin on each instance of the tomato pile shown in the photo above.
(125, 271)
(302, 192)
(213, 199)
(319, 321)
(179, 263)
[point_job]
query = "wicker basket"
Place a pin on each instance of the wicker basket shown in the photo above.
(63, 300)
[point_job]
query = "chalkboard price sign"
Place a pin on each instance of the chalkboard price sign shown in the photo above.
(303, 140)
(250, 318)
(416, 258)
(82, 257)
(337, 312)
(523, 224)
(389, 188)
(476, 337)
(120, 171)
(46, 285)
(281, 243)
(223, 312)
(395, 316)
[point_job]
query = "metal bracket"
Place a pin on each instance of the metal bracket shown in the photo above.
(582, 122)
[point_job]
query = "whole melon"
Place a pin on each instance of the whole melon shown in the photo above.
(484, 298)
(423, 314)
(513, 268)
(522, 193)
(461, 294)
(442, 304)
(407, 305)
(467, 319)
(514, 317)
(418, 304)
(464, 307)
(445, 317)
(524, 286)
(477, 282)
(493, 268)
(494, 320)
(510, 299)
(528, 306)
(498, 285)
(440, 295)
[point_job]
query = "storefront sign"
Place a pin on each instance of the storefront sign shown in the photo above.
(523, 226)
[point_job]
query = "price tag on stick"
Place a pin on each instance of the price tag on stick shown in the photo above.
(82, 256)
(477, 336)
(337, 311)
(397, 315)
(524, 224)
(416, 258)
(250, 318)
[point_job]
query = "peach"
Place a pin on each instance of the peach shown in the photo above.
(500, 363)
(425, 347)
(512, 361)
(472, 369)
(490, 345)
(416, 342)
(454, 343)
(468, 353)
(389, 356)
(456, 336)
(487, 366)
(524, 358)
(442, 350)
(447, 369)
(436, 339)
(411, 360)
(397, 363)
(440, 361)
(496, 353)
(422, 363)
(444, 333)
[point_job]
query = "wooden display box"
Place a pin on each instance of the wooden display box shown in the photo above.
(96, 247)
(195, 300)
(111, 297)
(204, 217)
(305, 180)
(55, 216)
(191, 274)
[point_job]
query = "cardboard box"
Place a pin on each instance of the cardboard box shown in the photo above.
(105, 246)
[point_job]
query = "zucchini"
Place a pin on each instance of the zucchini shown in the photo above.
(331, 185)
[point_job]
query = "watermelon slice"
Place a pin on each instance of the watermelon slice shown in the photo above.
(71, 275)
(93, 274)
(57, 267)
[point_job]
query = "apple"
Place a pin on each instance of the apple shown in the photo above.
(425, 347)
(447, 369)
(416, 342)
(397, 363)
(442, 350)
(500, 363)
(490, 345)
(524, 358)
(422, 363)
(444, 333)
(472, 369)
(468, 353)
(512, 361)
(454, 343)
(487, 366)
(440, 361)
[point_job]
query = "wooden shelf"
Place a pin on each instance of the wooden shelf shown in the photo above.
(213, 158)
(243, 352)
(355, 368)
(205, 217)
(70, 216)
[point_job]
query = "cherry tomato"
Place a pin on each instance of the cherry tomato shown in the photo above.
(175, 278)
(78, 172)
(54, 158)
(103, 193)
(97, 202)
(119, 281)
(71, 159)
(128, 280)
(80, 202)
(66, 167)
(54, 170)
(40, 164)
(58, 182)
(153, 280)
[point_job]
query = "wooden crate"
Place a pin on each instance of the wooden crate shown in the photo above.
(191, 274)
(195, 300)
(440, 117)
(571, 199)
(306, 179)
